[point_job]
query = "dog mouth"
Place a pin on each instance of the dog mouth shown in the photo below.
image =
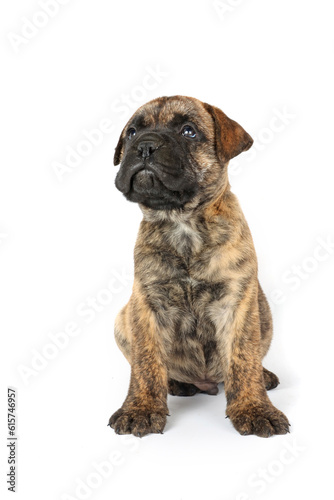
(156, 183)
(142, 181)
(147, 188)
(139, 178)
(149, 175)
(152, 178)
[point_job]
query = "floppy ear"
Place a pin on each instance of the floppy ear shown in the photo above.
(119, 150)
(231, 139)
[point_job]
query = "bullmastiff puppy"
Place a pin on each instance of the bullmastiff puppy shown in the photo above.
(197, 315)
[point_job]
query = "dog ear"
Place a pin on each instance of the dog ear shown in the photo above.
(119, 149)
(231, 139)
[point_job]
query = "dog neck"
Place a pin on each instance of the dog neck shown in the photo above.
(188, 229)
(198, 208)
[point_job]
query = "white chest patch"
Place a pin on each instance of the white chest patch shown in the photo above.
(184, 237)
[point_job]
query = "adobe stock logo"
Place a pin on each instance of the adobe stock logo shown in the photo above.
(101, 471)
(267, 474)
(3, 237)
(30, 28)
(91, 139)
(86, 311)
(225, 7)
(298, 273)
(280, 120)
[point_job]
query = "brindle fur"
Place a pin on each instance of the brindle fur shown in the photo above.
(197, 315)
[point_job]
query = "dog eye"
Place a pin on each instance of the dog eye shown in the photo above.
(131, 132)
(188, 131)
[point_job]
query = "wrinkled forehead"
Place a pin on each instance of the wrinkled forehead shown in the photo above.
(173, 111)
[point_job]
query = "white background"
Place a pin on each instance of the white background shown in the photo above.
(63, 240)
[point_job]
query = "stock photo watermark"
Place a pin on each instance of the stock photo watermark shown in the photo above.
(297, 274)
(280, 120)
(86, 312)
(11, 439)
(101, 471)
(258, 482)
(225, 7)
(121, 107)
(31, 27)
(3, 237)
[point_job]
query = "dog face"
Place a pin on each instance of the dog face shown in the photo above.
(175, 149)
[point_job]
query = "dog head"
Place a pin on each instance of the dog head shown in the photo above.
(174, 150)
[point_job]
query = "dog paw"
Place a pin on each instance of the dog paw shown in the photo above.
(270, 379)
(263, 421)
(138, 422)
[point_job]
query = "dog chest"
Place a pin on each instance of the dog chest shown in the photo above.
(184, 238)
(182, 308)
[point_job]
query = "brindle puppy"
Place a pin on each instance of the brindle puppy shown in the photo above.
(197, 315)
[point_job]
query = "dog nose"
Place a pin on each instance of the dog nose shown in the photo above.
(147, 148)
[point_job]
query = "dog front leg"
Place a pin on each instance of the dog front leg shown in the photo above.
(248, 406)
(145, 408)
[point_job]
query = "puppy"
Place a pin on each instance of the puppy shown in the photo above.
(197, 315)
